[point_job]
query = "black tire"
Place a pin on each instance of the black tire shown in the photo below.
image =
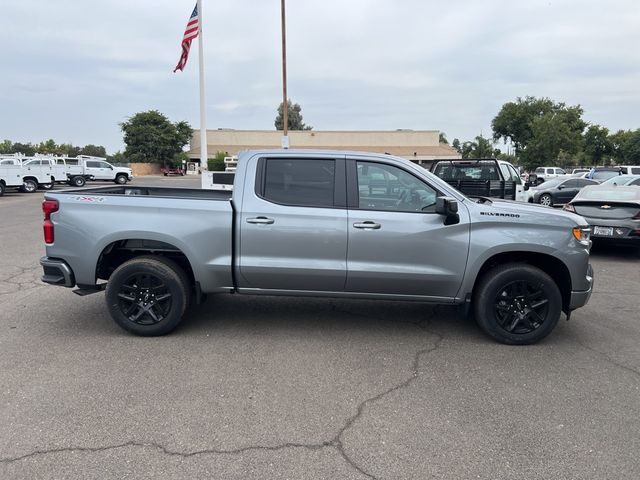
(77, 181)
(29, 186)
(166, 174)
(134, 291)
(2, 188)
(517, 304)
(121, 179)
(546, 199)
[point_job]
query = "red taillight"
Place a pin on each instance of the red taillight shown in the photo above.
(48, 207)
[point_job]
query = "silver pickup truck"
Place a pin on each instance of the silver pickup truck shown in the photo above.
(319, 223)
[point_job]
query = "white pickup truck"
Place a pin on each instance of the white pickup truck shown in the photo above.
(14, 175)
(76, 171)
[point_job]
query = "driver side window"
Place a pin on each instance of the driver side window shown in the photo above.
(385, 187)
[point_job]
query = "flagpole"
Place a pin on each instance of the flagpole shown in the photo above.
(285, 103)
(203, 119)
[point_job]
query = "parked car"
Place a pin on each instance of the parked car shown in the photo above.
(166, 171)
(622, 180)
(603, 173)
(558, 191)
(612, 211)
(319, 223)
(576, 171)
(543, 174)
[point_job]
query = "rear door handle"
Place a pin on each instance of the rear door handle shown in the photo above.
(261, 220)
(368, 225)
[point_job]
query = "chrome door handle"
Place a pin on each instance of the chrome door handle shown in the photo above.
(261, 220)
(367, 225)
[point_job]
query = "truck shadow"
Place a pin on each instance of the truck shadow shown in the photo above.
(299, 316)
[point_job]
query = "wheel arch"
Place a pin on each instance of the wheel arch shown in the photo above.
(116, 252)
(552, 266)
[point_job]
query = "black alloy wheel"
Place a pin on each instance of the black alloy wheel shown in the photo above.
(517, 303)
(144, 299)
(148, 295)
(521, 307)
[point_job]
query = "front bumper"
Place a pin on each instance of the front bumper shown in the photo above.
(57, 272)
(581, 297)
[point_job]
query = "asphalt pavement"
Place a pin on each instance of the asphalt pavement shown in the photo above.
(258, 387)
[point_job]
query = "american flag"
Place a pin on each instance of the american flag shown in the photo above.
(190, 33)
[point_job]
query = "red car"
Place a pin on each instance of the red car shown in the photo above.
(171, 171)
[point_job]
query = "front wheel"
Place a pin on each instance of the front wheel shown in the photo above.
(148, 295)
(545, 199)
(517, 304)
(121, 179)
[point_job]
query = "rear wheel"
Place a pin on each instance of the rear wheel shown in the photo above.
(29, 186)
(517, 304)
(2, 188)
(545, 199)
(148, 295)
(78, 181)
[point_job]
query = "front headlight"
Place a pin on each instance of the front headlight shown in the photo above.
(582, 235)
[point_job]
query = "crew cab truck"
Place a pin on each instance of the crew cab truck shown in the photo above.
(319, 223)
(485, 177)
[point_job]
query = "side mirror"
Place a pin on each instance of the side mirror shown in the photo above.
(448, 206)
(560, 187)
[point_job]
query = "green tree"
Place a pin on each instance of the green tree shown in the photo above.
(216, 164)
(442, 138)
(25, 148)
(456, 144)
(294, 117)
(6, 146)
(49, 146)
(631, 148)
(597, 144)
(151, 137)
(552, 133)
(480, 148)
(93, 150)
(525, 119)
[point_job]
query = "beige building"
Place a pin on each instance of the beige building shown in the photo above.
(415, 145)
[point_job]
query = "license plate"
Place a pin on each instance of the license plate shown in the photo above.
(603, 231)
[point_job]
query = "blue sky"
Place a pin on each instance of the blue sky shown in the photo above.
(72, 74)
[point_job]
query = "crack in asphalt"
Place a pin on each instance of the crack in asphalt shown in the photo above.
(13, 279)
(609, 359)
(336, 442)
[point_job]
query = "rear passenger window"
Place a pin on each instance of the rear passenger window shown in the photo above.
(306, 183)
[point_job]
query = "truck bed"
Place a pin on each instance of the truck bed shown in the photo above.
(159, 192)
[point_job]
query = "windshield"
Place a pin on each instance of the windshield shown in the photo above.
(551, 183)
(610, 193)
(605, 174)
